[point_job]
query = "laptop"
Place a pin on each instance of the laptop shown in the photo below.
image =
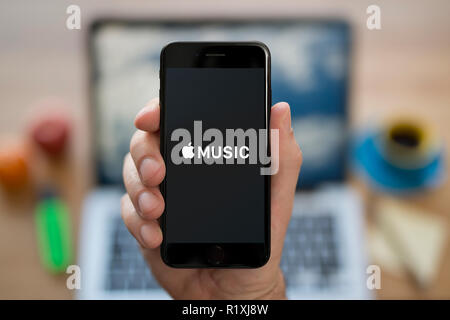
(323, 255)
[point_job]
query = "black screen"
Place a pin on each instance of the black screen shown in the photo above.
(214, 203)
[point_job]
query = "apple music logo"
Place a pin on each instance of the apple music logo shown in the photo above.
(215, 152)
(240, 147)
(188, 151)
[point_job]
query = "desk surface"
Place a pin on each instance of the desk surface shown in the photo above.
(404, 68)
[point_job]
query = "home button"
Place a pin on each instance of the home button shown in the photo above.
(215, 254)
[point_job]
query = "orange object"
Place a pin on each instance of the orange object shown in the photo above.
(14, 173)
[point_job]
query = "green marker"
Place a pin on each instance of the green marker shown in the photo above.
(54, 234)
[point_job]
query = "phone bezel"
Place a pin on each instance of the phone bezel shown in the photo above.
(216, 55)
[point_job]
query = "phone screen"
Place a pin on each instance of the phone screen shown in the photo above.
(218, 202)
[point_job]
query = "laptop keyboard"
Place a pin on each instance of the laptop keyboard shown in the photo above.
(310, 256)
(127, 268)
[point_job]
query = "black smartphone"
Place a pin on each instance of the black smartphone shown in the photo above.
(214, 97)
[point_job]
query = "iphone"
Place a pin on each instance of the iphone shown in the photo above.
(215, 102)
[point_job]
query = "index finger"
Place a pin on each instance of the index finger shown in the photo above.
(148, 118)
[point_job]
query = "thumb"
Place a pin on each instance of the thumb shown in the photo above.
(284, 182)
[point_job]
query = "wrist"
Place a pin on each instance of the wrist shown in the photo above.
(278, 291)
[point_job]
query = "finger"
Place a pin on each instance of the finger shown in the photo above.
(148, 118)
(144, 149)
(148, 202)
(284, 182)
(147, 233)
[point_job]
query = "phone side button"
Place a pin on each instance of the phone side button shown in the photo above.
(215, 254)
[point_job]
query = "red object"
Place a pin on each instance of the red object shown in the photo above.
(51, 133)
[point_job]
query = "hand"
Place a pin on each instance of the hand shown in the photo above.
(144, 170)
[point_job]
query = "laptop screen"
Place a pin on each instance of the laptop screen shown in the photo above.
(310, 71)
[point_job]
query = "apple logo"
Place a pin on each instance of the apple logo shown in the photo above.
(188, 151)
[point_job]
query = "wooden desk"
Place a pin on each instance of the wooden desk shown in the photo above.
(404, 68)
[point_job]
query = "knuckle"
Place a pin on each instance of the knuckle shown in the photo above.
(125, 211)
(157, 211)
(298, 153)
(125, 166)
(160, 208)
(299, 157)
(128, 172)
(122, 201)
(125, 158)
(161, 173)
(157, 177)
(136, 140)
